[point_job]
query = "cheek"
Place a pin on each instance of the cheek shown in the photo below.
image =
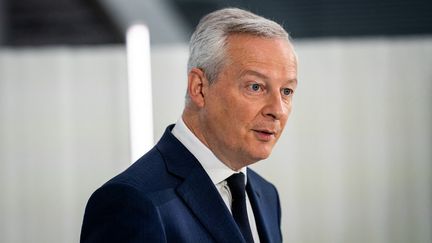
(220, 116)
(230, 112)
(288, 109)
(227, 109)
(241, 115)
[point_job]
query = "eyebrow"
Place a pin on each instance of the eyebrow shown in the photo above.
(255, 73)
(263, 76)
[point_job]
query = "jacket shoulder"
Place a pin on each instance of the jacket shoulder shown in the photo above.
(147, 174)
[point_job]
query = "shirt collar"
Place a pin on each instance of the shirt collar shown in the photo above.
(216, 169)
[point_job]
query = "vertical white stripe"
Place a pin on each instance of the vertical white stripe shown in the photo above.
(140, 90)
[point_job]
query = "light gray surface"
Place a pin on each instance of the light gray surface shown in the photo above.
(165, 23)
(64, 130)
(354, 163)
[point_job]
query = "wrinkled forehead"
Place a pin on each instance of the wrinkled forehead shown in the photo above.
(239, 46)
(273, 58)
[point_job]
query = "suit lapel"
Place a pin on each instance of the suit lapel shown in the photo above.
(198, 191)
(201, 196)
(259, 208)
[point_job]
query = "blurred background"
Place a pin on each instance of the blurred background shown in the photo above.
(354, 163)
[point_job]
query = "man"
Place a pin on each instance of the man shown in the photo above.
(242, 73)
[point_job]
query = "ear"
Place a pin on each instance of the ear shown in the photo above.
(197, 83)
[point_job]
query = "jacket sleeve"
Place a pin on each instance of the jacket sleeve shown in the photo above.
(121, 213)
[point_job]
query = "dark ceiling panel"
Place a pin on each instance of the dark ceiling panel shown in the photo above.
(47, 22)
(77, 22)
(329, 18)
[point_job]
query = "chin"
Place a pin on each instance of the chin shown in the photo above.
(257, 152)
(260, 156)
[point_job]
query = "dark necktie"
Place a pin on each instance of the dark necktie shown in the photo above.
(237, 186)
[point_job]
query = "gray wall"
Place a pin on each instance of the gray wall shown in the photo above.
(63, 131)
(354, 164)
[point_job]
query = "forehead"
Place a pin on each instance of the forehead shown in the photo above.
(245, 51)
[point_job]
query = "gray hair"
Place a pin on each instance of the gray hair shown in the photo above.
(207, 45)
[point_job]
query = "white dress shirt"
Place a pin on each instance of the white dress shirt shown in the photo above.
(216, 170)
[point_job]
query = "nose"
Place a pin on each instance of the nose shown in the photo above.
(275, 107)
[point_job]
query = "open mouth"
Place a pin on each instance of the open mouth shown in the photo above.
(266, 132)
(264, 135)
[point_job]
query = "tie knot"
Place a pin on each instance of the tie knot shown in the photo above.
(236, 183)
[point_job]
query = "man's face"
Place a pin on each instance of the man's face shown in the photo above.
(248, 105)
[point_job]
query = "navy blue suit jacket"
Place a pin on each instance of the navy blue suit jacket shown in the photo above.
(166, 196)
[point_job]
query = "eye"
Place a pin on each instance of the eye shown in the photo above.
(255, 87)
(287, 91)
